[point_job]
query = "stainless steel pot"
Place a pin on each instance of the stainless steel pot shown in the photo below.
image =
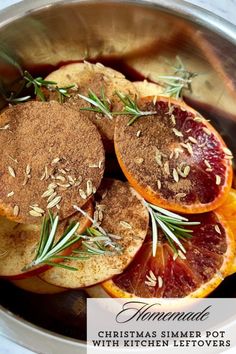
(40, 34)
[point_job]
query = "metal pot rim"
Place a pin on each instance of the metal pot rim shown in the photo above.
(183, 9)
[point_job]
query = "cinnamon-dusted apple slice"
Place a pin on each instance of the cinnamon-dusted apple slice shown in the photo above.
(205, 88)
(220, 54)
(101, 81)
(174, 158)
(20, 242)
(36, 285)
(146, 88)
(53, 157)
(111, 247)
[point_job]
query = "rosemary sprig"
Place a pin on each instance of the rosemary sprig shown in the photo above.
(172, 225)
(131, 108)
(63, 92)
(99, 105)
(48, 247)
(97, 240)
(37, 83)
(179, 81)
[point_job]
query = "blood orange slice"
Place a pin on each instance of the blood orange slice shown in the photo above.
(175, 158)
(209, 255)
(228, 210)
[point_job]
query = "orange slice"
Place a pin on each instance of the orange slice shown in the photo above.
(228, 210)
(208, 258)
(175, 158)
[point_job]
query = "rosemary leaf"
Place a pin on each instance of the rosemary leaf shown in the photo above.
(131, 108)
(172, 225)
(50, 238)
(180, 81)
(59, 265)
(99, 105)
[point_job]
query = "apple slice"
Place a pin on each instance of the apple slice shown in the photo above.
(207, 87)
(123, 215)
(98, 79)
(36, 285)
(19, 243)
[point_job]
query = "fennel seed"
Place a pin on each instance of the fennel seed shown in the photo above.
(55, 161)
(100, 215)
(199, 119)
(175, 175)
(193, 140)
(10, 194)
(166, 168)
(104, 194)
(152, 275)
(93, 165)
(218, 180)
(82, 194)
(16, 210)
(54, 202)
(207, 163)
(151, 284)
(47, 193)
(51, 197)
(217, 229)
(28, 170)
(11, 171)
(173, 119)
(177, 133)
(5, 127)
(35, 213)
(95, 216)
(177, 152)
(227, 151)
(160, 282)
(52, 186)
(180, 195)
(60, 178)
(158, 157)
(186, 171)
(188, 147)
(37, 209)
(125, 224)
(71, 180)
(64, 185)
(89, 187)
